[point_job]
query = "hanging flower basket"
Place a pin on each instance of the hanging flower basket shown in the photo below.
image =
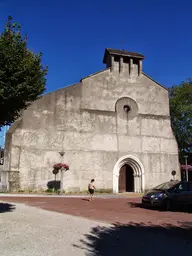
(183, 167)
(59, 166)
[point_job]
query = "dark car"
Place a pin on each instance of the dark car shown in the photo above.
(169, 195)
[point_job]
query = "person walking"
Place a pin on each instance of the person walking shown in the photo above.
(91, 188)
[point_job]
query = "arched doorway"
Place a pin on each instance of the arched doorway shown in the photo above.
(129, 171)
(126, 179)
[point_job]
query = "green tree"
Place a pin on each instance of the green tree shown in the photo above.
(181, 116)
(22, 76)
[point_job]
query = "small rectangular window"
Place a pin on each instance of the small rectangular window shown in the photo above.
(117, 58)
(182, 187)
(125, 59)
(135, 61)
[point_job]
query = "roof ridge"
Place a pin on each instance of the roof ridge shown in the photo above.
(125, 53)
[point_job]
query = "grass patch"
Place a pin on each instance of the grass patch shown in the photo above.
(53, 192)
(104, 191)
(86, 192)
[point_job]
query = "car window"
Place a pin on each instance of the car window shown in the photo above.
(166, 185)
(182, 187)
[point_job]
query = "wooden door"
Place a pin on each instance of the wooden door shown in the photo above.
(122, 179)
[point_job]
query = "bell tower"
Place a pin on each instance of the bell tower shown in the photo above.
(123, 61)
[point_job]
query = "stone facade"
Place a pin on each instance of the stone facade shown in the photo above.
(114, 117)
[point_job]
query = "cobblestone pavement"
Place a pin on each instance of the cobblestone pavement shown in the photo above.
(111, 210)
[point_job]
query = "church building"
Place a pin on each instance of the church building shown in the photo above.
(113, 126)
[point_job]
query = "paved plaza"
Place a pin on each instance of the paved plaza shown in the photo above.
(74, 226)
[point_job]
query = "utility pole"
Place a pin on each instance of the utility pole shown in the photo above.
(62, 153)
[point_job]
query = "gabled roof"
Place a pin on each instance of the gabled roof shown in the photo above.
(109, 51)
(155, 81)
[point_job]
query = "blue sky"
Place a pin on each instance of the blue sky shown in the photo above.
(73, 35)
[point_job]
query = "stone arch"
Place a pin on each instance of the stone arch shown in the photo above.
(138, 172)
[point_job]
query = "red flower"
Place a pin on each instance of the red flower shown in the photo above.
(183, 167)
(60, 165)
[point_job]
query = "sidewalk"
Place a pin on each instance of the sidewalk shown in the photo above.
(129, 195)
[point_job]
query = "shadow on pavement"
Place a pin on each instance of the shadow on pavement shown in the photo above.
(183, 208)
(138, 239)
(5, 207)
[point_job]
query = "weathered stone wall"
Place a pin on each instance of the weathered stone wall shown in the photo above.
(81, 121)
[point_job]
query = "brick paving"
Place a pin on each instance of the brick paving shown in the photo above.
(112, 210)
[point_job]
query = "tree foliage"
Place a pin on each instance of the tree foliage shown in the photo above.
(181, 116)
(22, 76)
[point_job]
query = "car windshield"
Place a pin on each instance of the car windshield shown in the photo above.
(165, 186)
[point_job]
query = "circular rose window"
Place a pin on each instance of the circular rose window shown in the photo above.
(126, 108)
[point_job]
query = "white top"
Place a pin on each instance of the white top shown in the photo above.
(91, 185)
